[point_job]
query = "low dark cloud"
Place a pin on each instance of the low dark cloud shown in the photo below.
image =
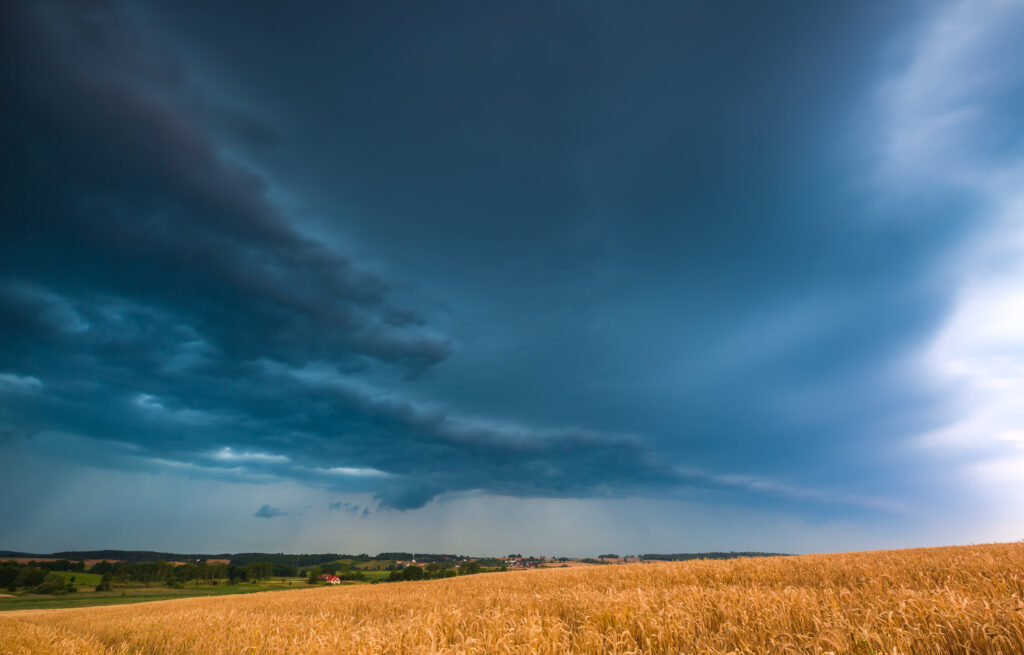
(268, 512)
(351, 508)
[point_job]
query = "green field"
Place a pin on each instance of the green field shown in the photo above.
(371, 575)
(81, 579)
(139, 594)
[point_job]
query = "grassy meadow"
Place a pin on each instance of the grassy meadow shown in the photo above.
(908, 602)
(80, 578)
(134, 593)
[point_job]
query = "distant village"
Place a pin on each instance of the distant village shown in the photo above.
(511, 562)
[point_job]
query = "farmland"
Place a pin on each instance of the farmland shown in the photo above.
(914, 602)
(125, 594)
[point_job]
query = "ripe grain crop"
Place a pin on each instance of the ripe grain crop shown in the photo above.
(909, 602)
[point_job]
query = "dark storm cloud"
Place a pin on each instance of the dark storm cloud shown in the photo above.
(165, 302)
(650, 220)
(119, 193)
(637, 222)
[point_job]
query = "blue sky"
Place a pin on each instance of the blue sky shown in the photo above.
(479, 277)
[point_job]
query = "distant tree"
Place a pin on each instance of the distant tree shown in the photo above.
(30, 576)
(102, 567)
(285, 570)
(469, 568)
(218, 570)
(51, 584)
(412, 573)
(8, 575)
(314, 575)
(257, 571)
(433, 570)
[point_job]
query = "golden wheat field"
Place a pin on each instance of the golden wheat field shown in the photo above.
(914, 602)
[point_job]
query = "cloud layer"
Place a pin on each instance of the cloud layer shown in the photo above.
(169, 304)
(726, 257)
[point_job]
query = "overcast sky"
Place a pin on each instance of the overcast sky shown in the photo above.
(482, 277)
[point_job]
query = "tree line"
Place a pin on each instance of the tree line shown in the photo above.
(436, 570)
(39, 577)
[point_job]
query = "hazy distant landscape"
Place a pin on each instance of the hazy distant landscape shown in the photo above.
(922, 602)
(111, 577)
